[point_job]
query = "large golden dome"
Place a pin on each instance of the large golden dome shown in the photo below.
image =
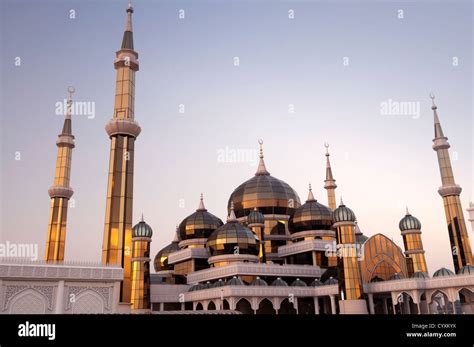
(269, 194)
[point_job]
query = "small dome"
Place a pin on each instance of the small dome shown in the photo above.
(316, 283)
(200, 224)
(310, 216)
(219, 283)
(466, 270)
(161, 259)
(443, 272)
(142, 230)
(330, 281)
(208, 285)
(235, 281)
(279, 283)
(259, 282)
(409, 223)
(231, 235)
(395, 276)
(344, 214)
(255, 217)
(420, 274)
(298, 283)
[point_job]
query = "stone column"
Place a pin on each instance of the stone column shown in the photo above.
(316, 305)
(371, 303)
(333, 304)
(59, 307)
(385, 306)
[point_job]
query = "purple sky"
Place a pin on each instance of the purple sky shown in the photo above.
(381, 162)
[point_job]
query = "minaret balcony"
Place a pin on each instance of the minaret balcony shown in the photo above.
(60, 192)
(65, 140)
(440, 143)
(127, 127)
(449, 190)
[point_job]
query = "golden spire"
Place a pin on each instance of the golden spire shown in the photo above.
(231, 217)
(310, 194)
(201, 206)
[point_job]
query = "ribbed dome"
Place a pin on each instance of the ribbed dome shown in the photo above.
(269, 194)
(161, 259)
(419, 274)
(197, 286)
(443, 272)
(310, 216)
(396, 276)
(344, 214)
(409, 223)
(255, 217)
(279, 283)
(219, 283)
(298, 283)
(330, 281)
(466, 270)
(235, 281)
(316, 283)
(258, 282)
(231, 235)
(200, 224)
(142, 230)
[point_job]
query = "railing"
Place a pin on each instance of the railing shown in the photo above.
(28, 261)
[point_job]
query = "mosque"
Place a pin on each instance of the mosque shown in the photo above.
(274, 254)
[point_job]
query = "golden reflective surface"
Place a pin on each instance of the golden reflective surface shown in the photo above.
(233, 238)
(350, 284)
(382, 259)
(56, 236)
(161, 259)
(311, 216)
(269, 194)
(200, 224)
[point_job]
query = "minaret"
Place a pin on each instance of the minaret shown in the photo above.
(470, 210)
(450, 191)
(60, 192)
(140, 293)
(350, 282)
(330, 182)
(410, 228)
(122, 130)
(256, 222)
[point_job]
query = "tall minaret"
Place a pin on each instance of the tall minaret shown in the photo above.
(122, 130)
(330, 182)
(60, 192)
(450, 191)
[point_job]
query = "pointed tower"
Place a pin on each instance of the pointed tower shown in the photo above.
(122, 130)
(60, 192)
(450, 191)
(140, 293)
(330, 182)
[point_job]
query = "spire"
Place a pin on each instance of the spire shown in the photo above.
(67, 127)
(408, 212)
(261, 170)
(329, 176)
(142, 218)
(176, 235)
(437, 125)
(310, 194)
(342, 202)
(201, 204)
(232, 217)
(127, 41)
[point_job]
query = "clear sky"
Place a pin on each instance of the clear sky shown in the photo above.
(382, 162)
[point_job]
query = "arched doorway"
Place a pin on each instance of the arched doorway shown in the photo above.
(244, 306)
(225, 305)
(466, 296)
(199, 307)
(211, 306)
(265, 307)
(405, 304)
(440, 303)
(286, 307)
(305, 305)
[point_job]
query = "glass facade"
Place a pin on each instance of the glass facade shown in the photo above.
(350, 284)
(382, 259)
(140, 284)
(56, 237)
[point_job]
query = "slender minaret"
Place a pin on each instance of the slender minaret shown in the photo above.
(450, 191)
(140, 293)
(60, 192)
(350, 282)
(410, 228)
(330, 182)
(122, 130)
